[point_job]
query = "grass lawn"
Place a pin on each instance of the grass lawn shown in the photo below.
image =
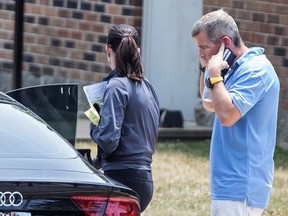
(181, 180)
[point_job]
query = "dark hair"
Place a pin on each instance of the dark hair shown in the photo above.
(124, 41)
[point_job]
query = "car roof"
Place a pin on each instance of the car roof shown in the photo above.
(30, 145)
(24, 134)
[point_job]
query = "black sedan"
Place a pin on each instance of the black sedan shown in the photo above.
(41, 173)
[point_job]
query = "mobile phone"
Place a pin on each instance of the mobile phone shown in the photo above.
(228, 56)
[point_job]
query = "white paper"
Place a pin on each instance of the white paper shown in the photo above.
(95, 92)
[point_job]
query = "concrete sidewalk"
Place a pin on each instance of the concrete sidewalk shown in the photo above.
(190, 131)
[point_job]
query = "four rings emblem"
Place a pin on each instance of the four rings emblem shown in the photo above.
(10, 198)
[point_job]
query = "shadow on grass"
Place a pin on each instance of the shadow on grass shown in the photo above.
(200, 148)
(281, 158)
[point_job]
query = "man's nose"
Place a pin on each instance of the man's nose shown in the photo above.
(201, 53)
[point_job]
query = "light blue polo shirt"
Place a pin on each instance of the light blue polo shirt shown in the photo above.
(241, 155)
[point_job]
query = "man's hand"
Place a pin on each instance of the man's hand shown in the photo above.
(216, 63)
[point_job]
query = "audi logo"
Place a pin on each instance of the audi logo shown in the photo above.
(10, 198)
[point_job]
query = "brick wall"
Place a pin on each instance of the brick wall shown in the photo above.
(262, 23)
(64, 38)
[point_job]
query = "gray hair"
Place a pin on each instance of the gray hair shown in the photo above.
(217, 24)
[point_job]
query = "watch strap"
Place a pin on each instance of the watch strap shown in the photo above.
(214, 80)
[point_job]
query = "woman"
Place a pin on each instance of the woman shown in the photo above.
(128, 128)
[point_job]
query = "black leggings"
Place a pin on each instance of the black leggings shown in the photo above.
(139, 180)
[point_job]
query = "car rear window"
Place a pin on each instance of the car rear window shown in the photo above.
(23, 134)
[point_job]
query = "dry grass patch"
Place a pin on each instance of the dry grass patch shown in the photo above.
(181, 180)
(180, 171)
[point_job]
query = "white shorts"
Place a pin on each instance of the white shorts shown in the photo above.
(233, 208)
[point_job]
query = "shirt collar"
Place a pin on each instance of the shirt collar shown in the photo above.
(110, 75)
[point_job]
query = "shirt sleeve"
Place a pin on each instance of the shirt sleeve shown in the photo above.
(247, 90)
(107, 134)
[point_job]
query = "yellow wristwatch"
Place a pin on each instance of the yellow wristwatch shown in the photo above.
(210, 81)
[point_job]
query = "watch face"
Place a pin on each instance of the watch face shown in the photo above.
(208, 83)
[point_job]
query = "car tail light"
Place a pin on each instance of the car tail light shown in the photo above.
(104, 206)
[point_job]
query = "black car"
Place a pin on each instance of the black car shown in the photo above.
(41, 173)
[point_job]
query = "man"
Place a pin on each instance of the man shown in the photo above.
(245, 102)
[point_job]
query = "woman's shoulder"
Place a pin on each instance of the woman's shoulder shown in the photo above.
(118, 80)
(118, 83)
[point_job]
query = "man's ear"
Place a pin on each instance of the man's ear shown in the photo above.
(227, 41)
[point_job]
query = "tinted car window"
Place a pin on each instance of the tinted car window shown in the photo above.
(26, 135)
(57, 104)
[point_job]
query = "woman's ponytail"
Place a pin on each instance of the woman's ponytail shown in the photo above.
(128, 59)
(124, 41)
